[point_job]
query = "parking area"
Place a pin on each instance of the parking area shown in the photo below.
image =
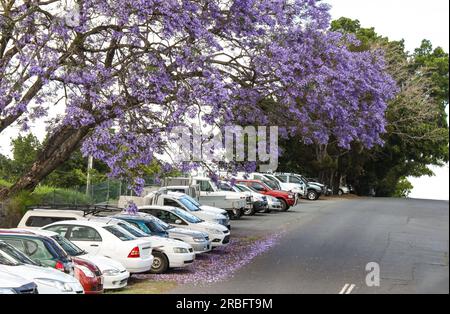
(252, 236)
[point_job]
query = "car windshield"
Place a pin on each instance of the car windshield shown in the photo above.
(187, 216)
(16, 255)
(162, 224)
(243, 188)
(68, 246)
(133, 230)
(117, 231)
(302, 179)
(193, 200)
(189, 205)
(273, 185)
(155, 226)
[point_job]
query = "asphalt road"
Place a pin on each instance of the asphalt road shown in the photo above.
(327, 245)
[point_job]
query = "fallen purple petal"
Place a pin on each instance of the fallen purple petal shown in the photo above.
(220, 264)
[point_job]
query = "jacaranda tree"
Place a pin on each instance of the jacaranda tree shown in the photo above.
(125, 71)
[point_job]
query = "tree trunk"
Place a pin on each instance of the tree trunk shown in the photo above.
(56, 151)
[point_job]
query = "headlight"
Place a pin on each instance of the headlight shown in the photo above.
(7, 291)
(61, 286)
(111, 272)
(87, 272)
(199, 240)
(291, 196)
(180, 250)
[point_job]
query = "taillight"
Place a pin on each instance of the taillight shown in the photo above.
(135, 253)
(60, 266)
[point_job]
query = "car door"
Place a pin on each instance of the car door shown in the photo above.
(86, 238)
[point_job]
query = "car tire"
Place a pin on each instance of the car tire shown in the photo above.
(237, 214)
(249, 212)
(312, 195)
(160, 263)
(340, 193)
(284, 205)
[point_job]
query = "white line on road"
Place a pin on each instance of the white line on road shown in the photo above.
(344, 289)
(347, 289)
(351, 289)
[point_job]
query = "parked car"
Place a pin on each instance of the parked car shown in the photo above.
(309, 190)
(259, 200)
(209, 194)
(218, 234)
(49, 253)
(115, 275)
(48, 280)
(182, 201)
(191, 194)
(287, 199)
(13, 284)
(42, 250)
(343, 189)
(272, 202)
(40, 217)
(154, 226)
(167, 253)
(280, 184)
(102, 239)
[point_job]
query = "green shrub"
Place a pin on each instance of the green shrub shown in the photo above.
(15, 208)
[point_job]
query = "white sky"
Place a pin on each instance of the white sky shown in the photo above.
(412, 20)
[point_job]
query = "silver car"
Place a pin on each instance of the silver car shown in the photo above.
(199, 241)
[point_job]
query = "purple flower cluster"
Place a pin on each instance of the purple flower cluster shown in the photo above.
(134, 69)
(219, 264)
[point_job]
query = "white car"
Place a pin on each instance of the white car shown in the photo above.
(167, 253)
(98, 238)
(115, 275)
(218, 234)
(48, 280)
(13, 284)
(183, 189)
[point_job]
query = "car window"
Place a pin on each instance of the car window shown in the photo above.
(16, 243)
(171, 203)
(68, 246)
(141, 226)
(167, 217)
(138, 233)
(61, 230)
(16, 254)
(183, 215)
(41, 221)
(273, 185)
(293, 179)
(82, 233)
(283, 179)
(205, 186)
(189, 204)
(37, 250)
(116, 231)
(258, 186)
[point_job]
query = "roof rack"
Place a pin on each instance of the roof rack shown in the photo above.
(86, 209)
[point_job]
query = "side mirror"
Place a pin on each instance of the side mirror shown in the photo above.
(178, 222)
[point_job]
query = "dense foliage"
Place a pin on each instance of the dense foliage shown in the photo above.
(417, 129)
(127, 71)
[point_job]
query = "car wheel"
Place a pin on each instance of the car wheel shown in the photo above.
(249, 212)
(312, 195)
(340, 193)
(284, 205)
(160, 263)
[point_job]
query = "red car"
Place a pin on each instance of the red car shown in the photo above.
(287, 199)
